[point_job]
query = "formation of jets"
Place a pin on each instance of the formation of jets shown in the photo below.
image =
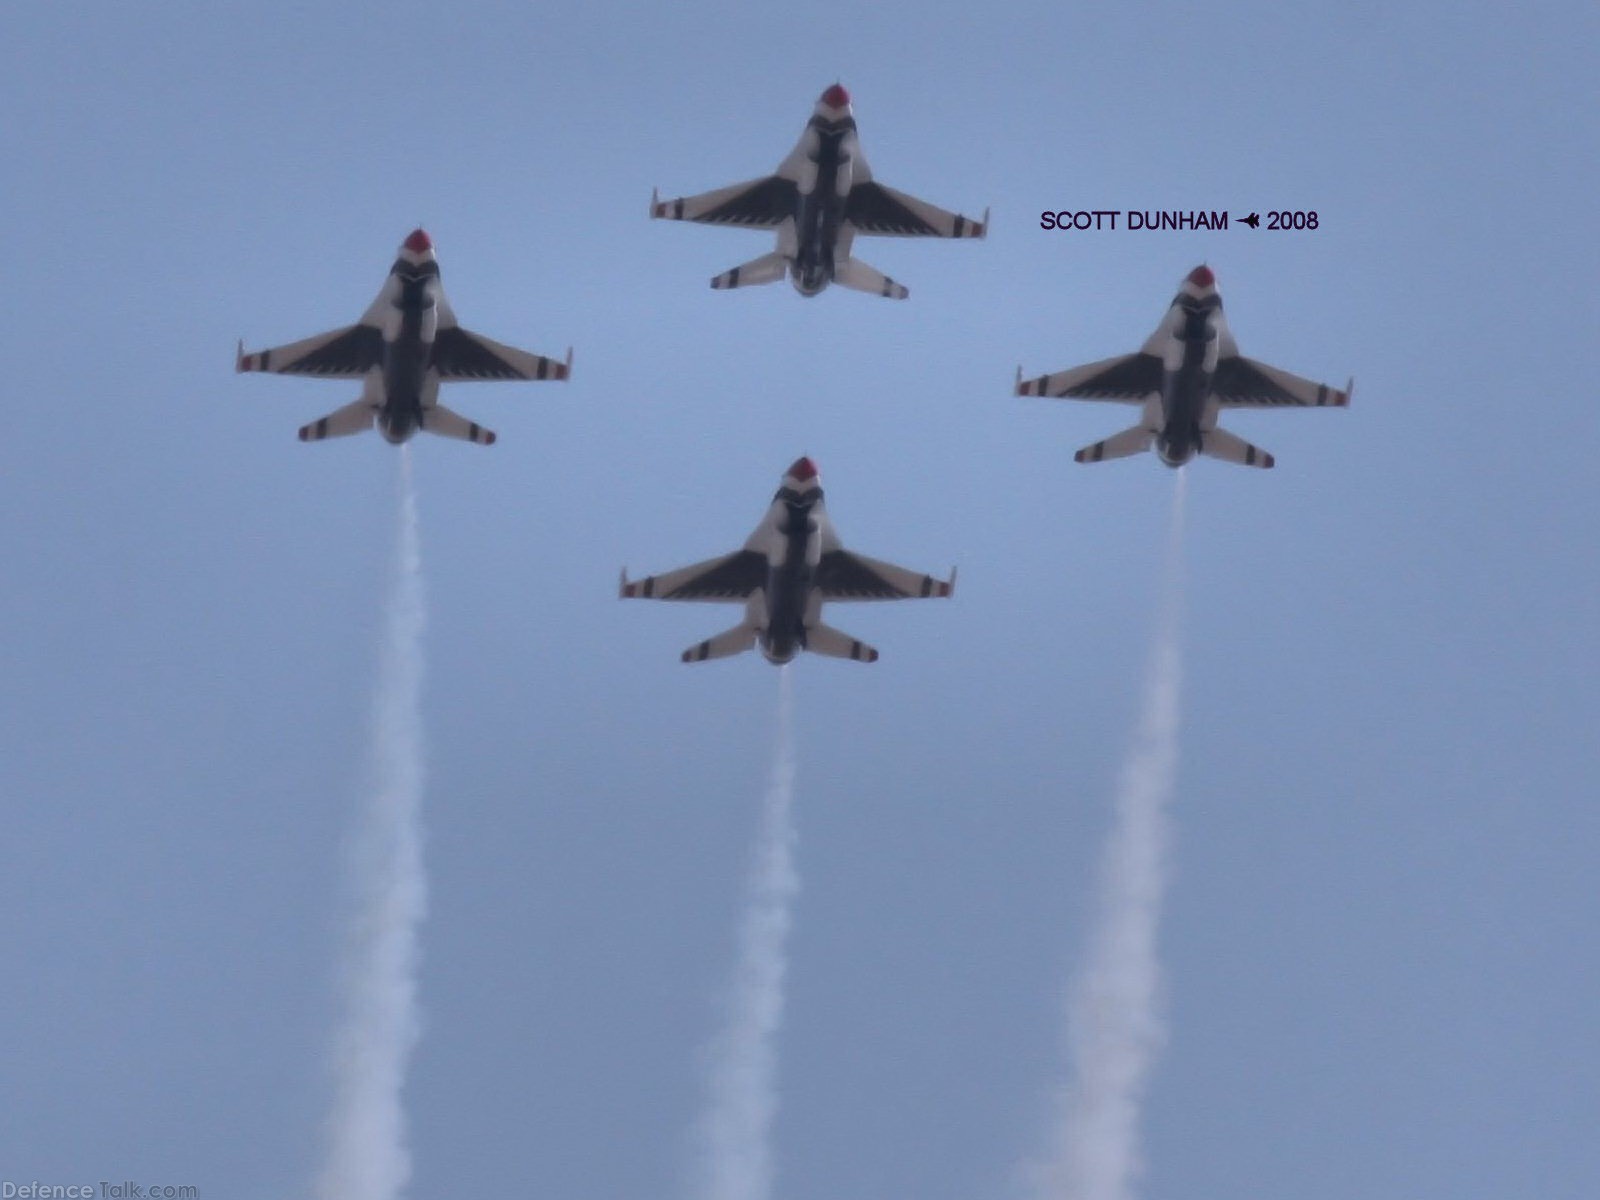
(821, 197)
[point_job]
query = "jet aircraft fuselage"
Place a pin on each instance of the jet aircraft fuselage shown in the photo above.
(820, 199)
(787, 569)
(1186, 373)
(821, 210)
(792, 563)
(408, 355)
(404, 346)
(1188, 367)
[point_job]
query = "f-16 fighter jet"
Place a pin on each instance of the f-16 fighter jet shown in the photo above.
(822, 196)
(788, 567)
(406, 344)
(1185, 374)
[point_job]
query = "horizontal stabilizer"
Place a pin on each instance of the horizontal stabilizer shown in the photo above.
(826, 640)
(769, 268)
(732, 641)
(1118, 445)
(853, 273)
(439, 419)
(1219, 443)
(355, 417)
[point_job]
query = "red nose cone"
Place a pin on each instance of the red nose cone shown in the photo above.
(1202, 277)
(803, 469)
(419, 242)
(836, 97)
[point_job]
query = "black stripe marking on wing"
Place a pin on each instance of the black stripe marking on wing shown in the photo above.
(842, 576)
(764, 205)
(872, 210)
(354, 352)
(734, 578)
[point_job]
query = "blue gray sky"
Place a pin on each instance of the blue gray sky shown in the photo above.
(1382, 964)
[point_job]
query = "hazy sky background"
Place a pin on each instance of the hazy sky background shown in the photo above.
(1380, 943)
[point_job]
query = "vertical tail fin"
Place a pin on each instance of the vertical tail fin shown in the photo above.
(438, 419)
(1118, 445)
(853, 273)
(1219, 443)
(355, 417)
(769, 268)
(828, 641)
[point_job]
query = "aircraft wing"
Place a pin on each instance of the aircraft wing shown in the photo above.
(1127, 379)
(764, 203)
(731, 577)
(347, 353)
(882, 211)
(1242, 382)
(842, 575)
(459, 354)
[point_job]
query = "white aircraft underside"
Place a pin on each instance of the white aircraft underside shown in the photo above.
(783, 574)
(821, 196)
(404, 346)
(1184, 375)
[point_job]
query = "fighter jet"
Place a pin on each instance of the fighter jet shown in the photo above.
(789, 566)
(406, 344)
(1185, 374)
(822, 196)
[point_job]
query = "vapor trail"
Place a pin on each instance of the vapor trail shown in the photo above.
(743, 1088)
(367, 1156)
(1115, 1027)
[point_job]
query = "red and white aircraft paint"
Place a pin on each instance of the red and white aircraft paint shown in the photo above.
(819, 199)
(788, 567)
(404, 346)
(1184, 375)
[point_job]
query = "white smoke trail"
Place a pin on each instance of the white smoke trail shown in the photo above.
(1115, 1026)
(743, 1089)
(367, 1156)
